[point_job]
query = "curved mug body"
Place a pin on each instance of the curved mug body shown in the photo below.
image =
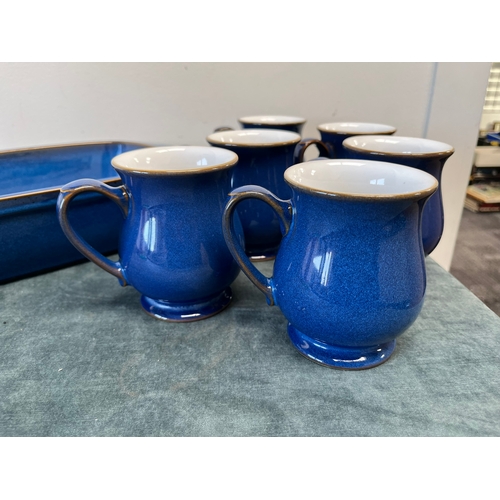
(334, 134)
(350, 273)
(263, 157)
(172, 249)
(424, 154)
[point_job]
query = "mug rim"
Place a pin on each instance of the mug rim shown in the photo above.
(280, 120)
(217, 138)
(118, 161)
(445, 151)
(338, 130)
(343, 195)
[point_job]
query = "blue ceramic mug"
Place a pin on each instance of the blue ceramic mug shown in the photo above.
(264, 155)
(350, 272)
(334, 134)
(424, 154)
(280, 122)
(172, 249)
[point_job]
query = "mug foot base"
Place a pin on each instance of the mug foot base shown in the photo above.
(342, 358)
(187, 311)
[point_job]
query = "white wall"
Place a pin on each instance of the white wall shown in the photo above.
(454, 117)
(181, 103)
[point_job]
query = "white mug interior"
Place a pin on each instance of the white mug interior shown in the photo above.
(272, 120)
(356, 128)
(174, 160)
(360, 179)
(411, 146)
(254, 137)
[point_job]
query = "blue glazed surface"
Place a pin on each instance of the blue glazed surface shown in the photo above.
(334, 143)
(172, 249)
(263, 166)
(349, 275)
(347, 358)
(188, 311)
(45, 168)
(31, 239)
(334, 134)
(433, 216)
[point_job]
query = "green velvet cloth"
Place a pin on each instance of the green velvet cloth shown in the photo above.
(78, 357)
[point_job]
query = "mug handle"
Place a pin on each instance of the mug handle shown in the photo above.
(284, 210)
(118, 194)
(300, 149)
(222, 129)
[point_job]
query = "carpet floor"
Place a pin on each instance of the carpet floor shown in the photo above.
(476, 261)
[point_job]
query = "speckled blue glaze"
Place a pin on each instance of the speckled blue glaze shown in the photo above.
(433, 216)
(334, 140)
(359, 262)
(31, 240)
(349, 275)
(263, 166)
(172, 249)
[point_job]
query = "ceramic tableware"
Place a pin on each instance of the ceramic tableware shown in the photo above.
(333, 134)
(31, 240)
(264, 155)
(424, 154)
(350, 273)
(172, 249)
(290, 123)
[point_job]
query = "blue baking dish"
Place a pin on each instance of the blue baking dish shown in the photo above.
(31, 240)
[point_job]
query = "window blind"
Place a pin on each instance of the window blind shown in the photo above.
(492, 100)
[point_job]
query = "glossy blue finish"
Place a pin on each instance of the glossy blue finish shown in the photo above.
(263, 166)
(349, 275)
(188, 311)
(334, 142)
(31, 240)
(172, 249)
(38, 169)
(297, 128)
(348, 358)
(433, 216)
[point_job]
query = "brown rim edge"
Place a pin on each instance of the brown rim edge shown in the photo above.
(256, 145)
(414, 195)
(388, 132)
(302, 121)
(441, 154)
(164, 173)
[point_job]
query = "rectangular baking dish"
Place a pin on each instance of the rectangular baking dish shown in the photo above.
(31, 240)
